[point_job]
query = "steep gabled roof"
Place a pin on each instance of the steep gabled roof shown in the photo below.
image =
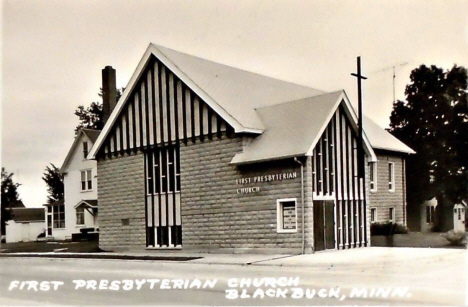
(382, 139)
(232, 93)
(294, 128)
(91, 134)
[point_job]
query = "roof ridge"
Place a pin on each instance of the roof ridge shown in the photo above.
(300, 99)
(233, 67)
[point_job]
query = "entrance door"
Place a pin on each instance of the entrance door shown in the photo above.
(324, 225)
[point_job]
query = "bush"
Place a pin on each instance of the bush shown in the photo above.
(456, 238)
(387, 229)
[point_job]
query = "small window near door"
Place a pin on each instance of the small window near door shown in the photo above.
(391, 177)
(286, 215)
(373, 176)
(373, 215)
(80, 216)
(391, 214)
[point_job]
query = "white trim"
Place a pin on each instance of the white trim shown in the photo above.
(72, 150)
(84, 202)
(153, 50)
(351, 115)
(373, 166)
(376, 215)
(279, 215)
(392, 176)
(86, 181)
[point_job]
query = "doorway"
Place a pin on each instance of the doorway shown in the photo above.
(324, 225)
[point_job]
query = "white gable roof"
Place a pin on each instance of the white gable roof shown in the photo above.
(294, 128)
(232, 93)
(382, 139)
(83, 134)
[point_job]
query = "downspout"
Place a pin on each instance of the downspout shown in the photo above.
(302, 205)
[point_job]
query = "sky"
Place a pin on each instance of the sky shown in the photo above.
(53, 53)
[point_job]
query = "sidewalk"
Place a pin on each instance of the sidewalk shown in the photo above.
(371, 256)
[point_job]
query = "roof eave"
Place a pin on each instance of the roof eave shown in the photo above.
(63, 168)
(252, 161)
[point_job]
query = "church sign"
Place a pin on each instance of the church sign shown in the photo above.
(262, 178)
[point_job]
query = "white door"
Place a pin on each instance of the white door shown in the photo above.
(459, 218)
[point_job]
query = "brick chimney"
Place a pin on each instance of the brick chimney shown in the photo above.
(109, 92)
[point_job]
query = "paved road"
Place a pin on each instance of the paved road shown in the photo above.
(407, 276)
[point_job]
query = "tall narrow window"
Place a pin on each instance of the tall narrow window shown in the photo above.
(86, 180)
(391, 177)
(85, 150)
(80, 216)
(163, 186)
(59, 216)
(373, 214)
(391, 214)
(430, 210)
(373, 176)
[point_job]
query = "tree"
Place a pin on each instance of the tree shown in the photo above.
(10, 197)
(434, 122)
(54, 180)
(92, 117)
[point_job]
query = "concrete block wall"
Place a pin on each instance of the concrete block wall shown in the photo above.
(383, 199)
(121, 195)
(215, 216)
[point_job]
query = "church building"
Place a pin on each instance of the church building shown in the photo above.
(200, 156)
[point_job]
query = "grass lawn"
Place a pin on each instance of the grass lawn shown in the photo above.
(42, 247)
(413, 239)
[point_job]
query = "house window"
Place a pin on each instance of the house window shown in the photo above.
(80, 216)
(391, 214)
(373, 215)
(85, 150)
(430, 214)
(391, 177)
(286, 215)
(59, 216)
(459, 214)
(86, 180)
(373, 176)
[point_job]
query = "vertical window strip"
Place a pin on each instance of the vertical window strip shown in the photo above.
(169, 105)
(141, 120)
(331, 160)
(154, 105)
(147, 114)
(318, 169)
(124, 131)
(137, 121)
(161, 103)
(325, 165)
(177, 108)
(184, 111)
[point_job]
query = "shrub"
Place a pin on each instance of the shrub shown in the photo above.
(456, 238)
(387, 229)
